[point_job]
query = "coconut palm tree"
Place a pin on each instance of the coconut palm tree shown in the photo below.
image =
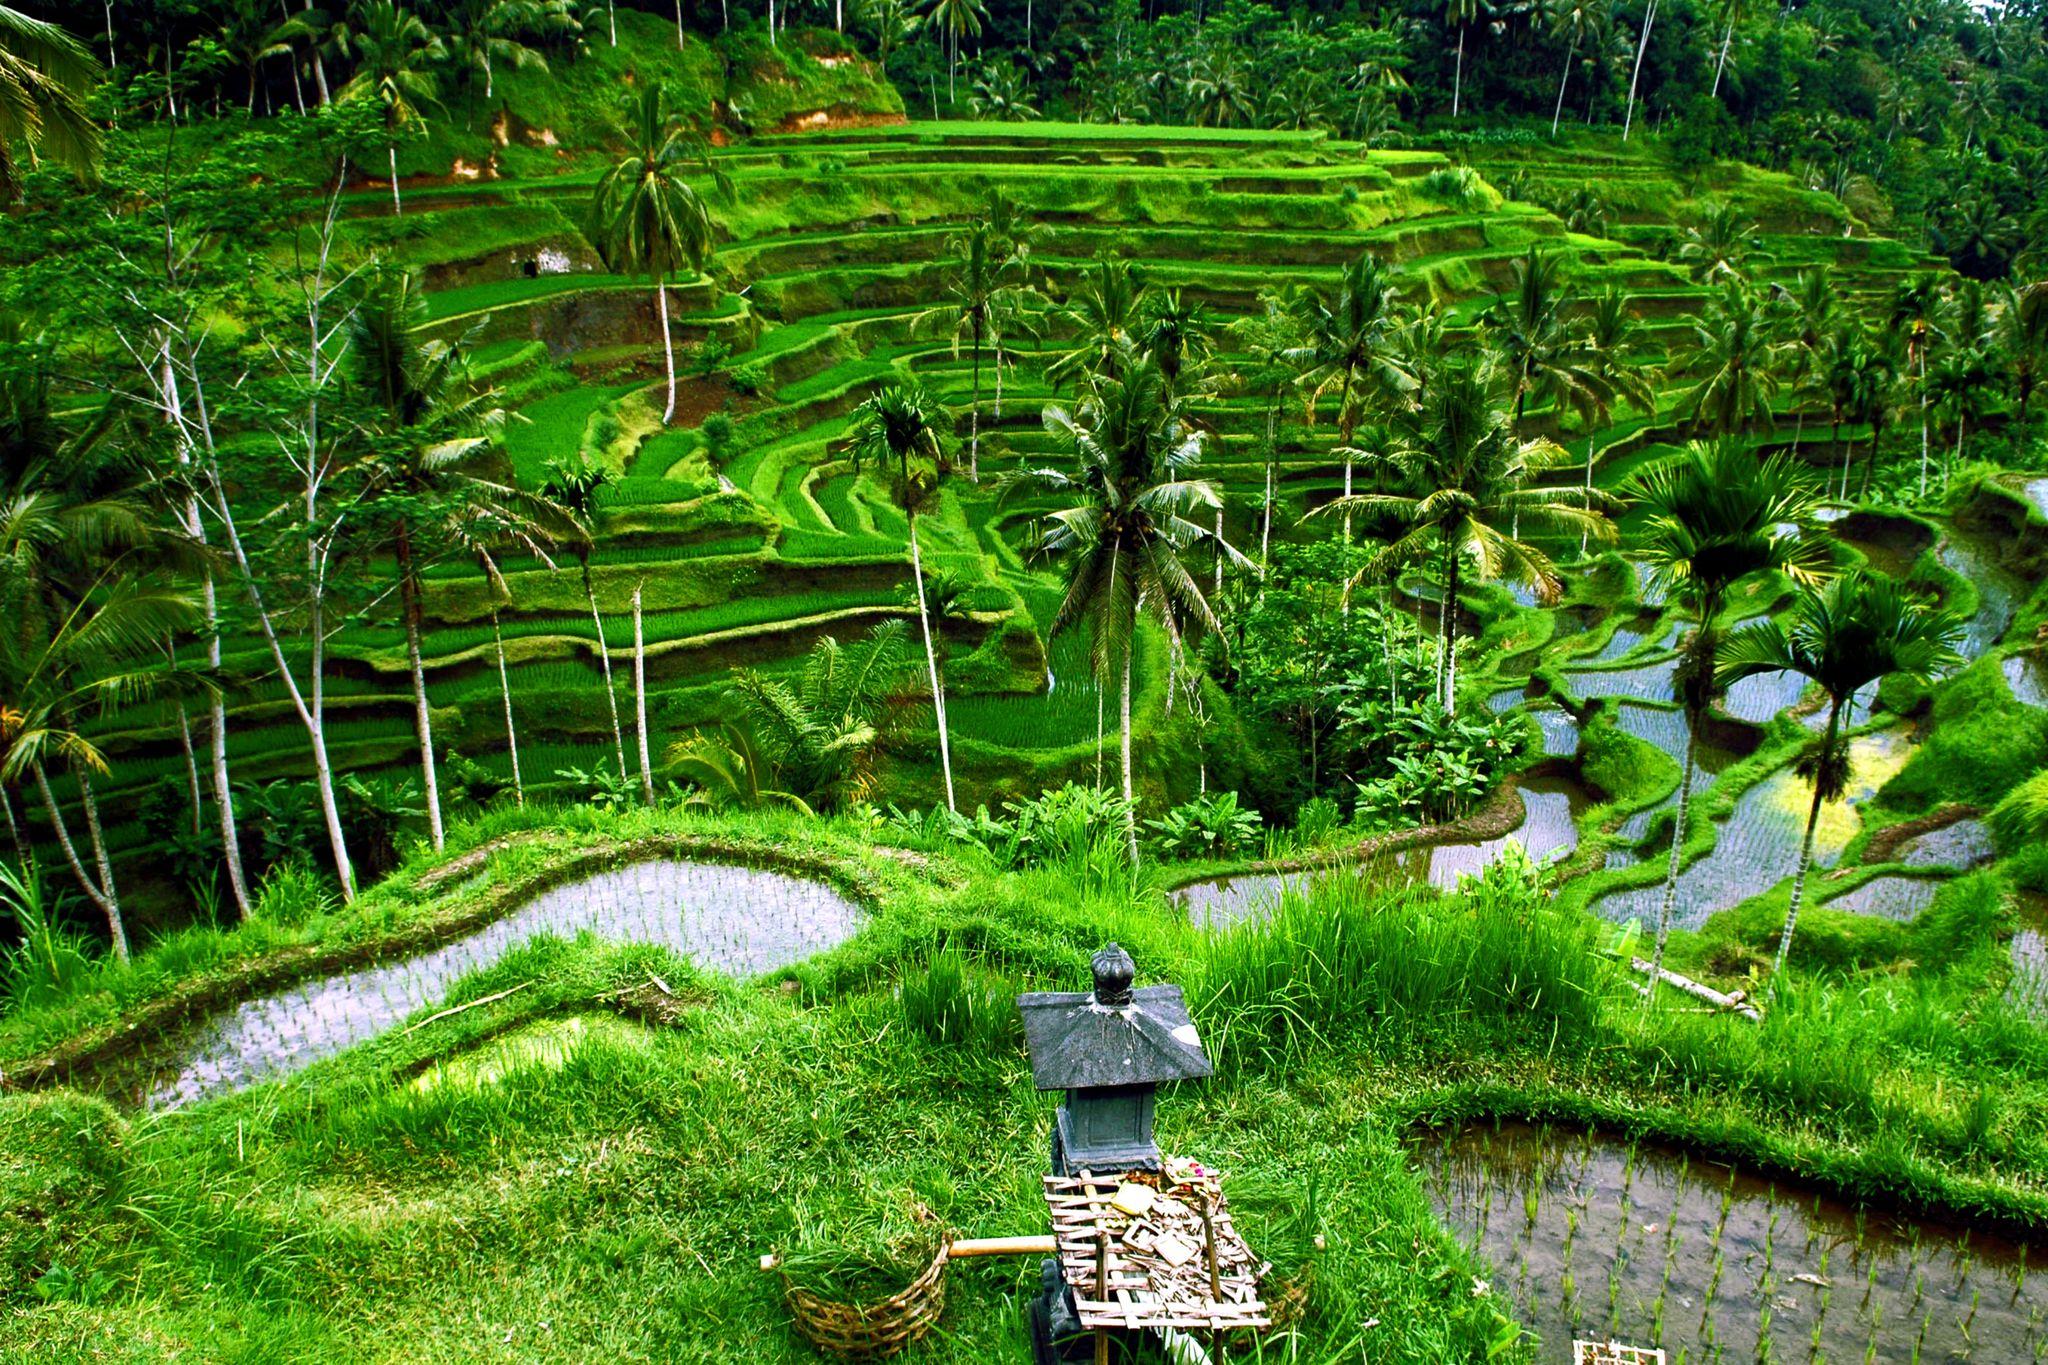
(1458, 471)
(1718, 245)
(579, 489)
(954, 20)
(1127, 522)
(1539, 346)
(1461, 15)
(484, 35)
(808, 746)
(394, 51)
(1732, 362)
(1854, 632)
(428, 428)
(901, 426)
(100, 651)
(987, 293)
(645, 217)
(1351, 348)
(45, 74)
(1812, 309)
(1918, 310)
(1580, 20)
(1717, 514)
(1101, 318)
(2020, 332)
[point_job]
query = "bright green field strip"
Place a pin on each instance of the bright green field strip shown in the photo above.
(660, 626)
(1035, 134)
(553, 429)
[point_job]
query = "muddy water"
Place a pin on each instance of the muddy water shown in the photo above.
(1758, 845)
(1593, 1238)
(1899, 898)
(2027, 676)
(728, 919)
(1550, 808)
(2037, 493)
(1964, 845)
(1999, 593)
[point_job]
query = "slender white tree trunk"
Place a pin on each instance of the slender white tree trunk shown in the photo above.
(196, 802)
(1642, 45)
(397, 207)
(974, 423)
(1458, 72)
(640, 700)
(1806, 846)
(1130, 790)
(422, 716)
(14, 828)
(1571, 55)
(1923, 420)
(668, 348)
(611, 14)
(604, 658)
(931, 660)
(103, 897)
(1682, 815)
(511, 730)
(1727, 39)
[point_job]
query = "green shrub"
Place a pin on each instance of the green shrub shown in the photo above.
(292, 894)
(1343, 956)
(2020, 821)
(60, 1171)
(49, 963)
(1213, 825)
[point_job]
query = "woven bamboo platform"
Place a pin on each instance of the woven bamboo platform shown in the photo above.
(1179, 1263)
(1614, 1353)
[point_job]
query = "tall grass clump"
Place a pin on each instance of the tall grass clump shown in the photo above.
(953, 1003)
(1343, 956)
(50, 962)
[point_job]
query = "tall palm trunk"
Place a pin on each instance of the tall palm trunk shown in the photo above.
(193, 799)
(397, 206)
(217, 753)
(1343, 408)
(640, 699)
(974, 415)
(99, 893)
(931, 662)
(604, 659)
(1642, 46)
(1806, 844)
(1727, 39)
(1447, 634)
(668, 347)
(14, 828)
(422, 717)
(1458, 72)
(1130, 790)
(1670, 900)
(1571, 55)
(319, 66)
(511, 730)
(1923, 420)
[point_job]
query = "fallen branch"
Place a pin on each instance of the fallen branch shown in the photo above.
(1700, 992)
(470, 1006)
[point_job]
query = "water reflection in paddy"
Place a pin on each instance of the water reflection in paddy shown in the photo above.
(1758, 844)
(2027, 676)
(1963, 845)
(1550, 806)
(1899, 898)
(730, 919)
(1999, 593)
(1594, 1238)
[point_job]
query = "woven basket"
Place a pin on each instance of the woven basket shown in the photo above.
(872, 1331)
